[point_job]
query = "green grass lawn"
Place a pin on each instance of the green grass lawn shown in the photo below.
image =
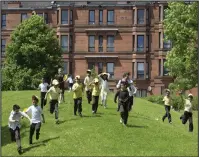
(101, 134)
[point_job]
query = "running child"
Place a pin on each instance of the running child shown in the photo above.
(104, 77)
(187, 111)
(95, 94)
(44, 88)
(167, 104)
(77, 96)
(14, 125)
(36, 113)
(70, 81)
(123, 97)
(55, 96)
(87, 81)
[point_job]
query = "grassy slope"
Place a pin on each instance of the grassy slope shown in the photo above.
(101, 135)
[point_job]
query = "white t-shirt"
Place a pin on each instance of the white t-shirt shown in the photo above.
(87, 81)
(15, 116)
(43, 87)
(35, 112)
(70, 80)
(188, 105)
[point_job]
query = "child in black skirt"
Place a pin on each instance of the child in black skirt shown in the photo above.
(123, 98)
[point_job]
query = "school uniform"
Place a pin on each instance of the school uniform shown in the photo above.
(70, 81)
(60, 79)
(95, 97)
(77, 96)
(36, 113)
(54, 94)
(123, 98)
(167, 105)
(104, 90)
(88, 89)
(14, 127)
(188, 115)
(44, 88)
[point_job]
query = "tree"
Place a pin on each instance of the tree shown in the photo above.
(181, 27)
(33, 53)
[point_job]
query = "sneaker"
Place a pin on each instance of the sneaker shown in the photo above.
(125, 125)
(170, 122)
(37, 136)
(19, 150)
(75, 114)
(121, 121)
(30, 142)
(80, 114)
(162, 119)
(93, 112)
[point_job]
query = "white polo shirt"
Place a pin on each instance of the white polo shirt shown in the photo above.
(35, 112)
(188, 105)
(13, 117)
(43, 87)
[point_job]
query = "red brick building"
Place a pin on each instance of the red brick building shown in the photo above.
(114, 37)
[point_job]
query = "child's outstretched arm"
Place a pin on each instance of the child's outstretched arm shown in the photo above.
(25, 115)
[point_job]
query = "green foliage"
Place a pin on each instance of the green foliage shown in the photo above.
(180, 26)
(176, 101)
(94, 73)
(34, 52)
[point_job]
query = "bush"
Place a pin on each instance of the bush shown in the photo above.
(176, 101)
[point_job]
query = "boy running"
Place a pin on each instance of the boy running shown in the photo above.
(95, 95)
(77, 96)
(167, 105)
(88, 80)
(44, 88)
(123, 98)
(36, 113)
(14, 125)
(187, 112)
(55, 96)
(70, 81)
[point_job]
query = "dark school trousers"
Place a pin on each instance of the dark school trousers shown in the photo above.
(167, 114)
(95, 103)
(15, 136)
(54, 108)
(89, 96)
(124, 116)
(33, 127)
(187, 116)
(43, 102)
(130, 103)
(78, 105)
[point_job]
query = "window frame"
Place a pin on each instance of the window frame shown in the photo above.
(22, 19)
(140, 20)
(165, 70)
(64, 48)
(65, 70)
(110, 48)
(92, 64)
(91, 22)
(112, 20)
(3, 20)
(100, 42)
(100, 68)
(71, 17)
(111, 73)
(140, 49)
(91, 48)
(3, 46)
(101, 16)
(64, 19)
(138, 75)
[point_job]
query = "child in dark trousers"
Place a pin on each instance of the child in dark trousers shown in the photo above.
(167, 105)
(123, 98)
(14, 125)
(36, 113)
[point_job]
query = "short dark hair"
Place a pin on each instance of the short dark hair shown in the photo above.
(15, 107)
(35, 98)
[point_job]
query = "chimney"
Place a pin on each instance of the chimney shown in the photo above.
(14, 4)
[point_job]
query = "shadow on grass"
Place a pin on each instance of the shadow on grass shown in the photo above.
(140, 117)
(93, 116)
(136, 126)
(38, 144)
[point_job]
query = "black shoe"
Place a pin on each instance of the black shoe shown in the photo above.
(80, 114)
(75, 114)
(57, 122)
(163, 119)
(180, 118)
(37, 136)
(30, 142)
(19, 150)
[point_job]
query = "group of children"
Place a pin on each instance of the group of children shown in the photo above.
(95, 88)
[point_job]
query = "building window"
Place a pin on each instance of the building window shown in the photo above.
(65, 65)
(100, 43)
(140, 43)
(91, 17)
(91, 65)
(58, 17)
(24, 16)
(133, 71)
(160, 67)
(64, 17)
(147, 16)
(147, 42)
(160, 40)
(91, 43)
(160, 13)
(147, 70)
(110, 17)
(166, 44)
(133, 44)
(64, 42)
(71, 43)
(165, 70)
(140, 70)
(110, 69)
(140, 16)
(45, 16)
(3, 20)
(133, 16)
(100, 68)
(141, 93)
(71, 17)
(101, 17)
(3, 46)
(110, 43)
